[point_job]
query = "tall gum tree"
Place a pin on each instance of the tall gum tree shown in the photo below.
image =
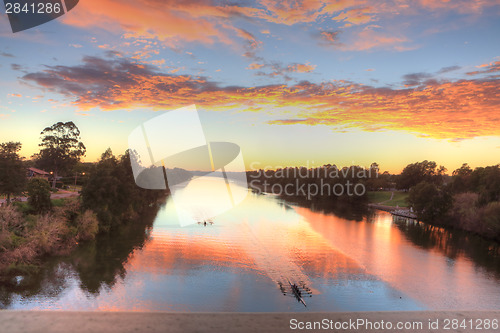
(61, 149)
(12, 171)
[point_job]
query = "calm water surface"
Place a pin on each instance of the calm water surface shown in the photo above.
(372, 263)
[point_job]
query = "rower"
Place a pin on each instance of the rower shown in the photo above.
(297, 290)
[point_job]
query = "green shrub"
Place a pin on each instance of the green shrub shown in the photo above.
(58, 202)
(39, 195)
(23, 207)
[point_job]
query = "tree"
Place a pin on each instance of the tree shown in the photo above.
(112, 194)
(430, 202)
(464, 170)
(491, 217)
(39, 195)
(101, 191)
(461, 179)
(424, 171)
(61, 148)
(12, 172)
(489, 188)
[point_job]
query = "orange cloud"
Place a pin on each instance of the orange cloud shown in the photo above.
(370, 38)
(175, 23)
(279, 70)
(356, 16)
(178, 22)
(15, 95)
(449, 110)
(330, 36)
(290, 12)
(255, 66)
(157, 62)
(361, 12)
(171, 22)
(301, 68)
(440, 109)
(354, 12)
(253, 42)
(461, 6)
(487, 68)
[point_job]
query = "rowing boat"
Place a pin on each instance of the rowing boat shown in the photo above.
(297, 293)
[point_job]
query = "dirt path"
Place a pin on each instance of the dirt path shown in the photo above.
(392, 196)
(59, 195)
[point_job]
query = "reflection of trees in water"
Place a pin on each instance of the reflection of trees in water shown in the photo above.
(101, 262)
(284, 205)
(45, 282)
(339, 208)
(97, 263)
(453, 243)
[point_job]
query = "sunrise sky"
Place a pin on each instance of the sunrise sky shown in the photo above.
(292, 82)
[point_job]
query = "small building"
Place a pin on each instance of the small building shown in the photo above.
(34, 172)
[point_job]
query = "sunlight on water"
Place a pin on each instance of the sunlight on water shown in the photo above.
(427, 275)
(204, 198)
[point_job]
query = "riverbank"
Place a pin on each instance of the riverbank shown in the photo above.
(150, 322)
(471, 219)
(26, 238)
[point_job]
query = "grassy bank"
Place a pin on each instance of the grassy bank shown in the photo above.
(388, 198)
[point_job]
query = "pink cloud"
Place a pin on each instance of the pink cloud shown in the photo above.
(439, 109)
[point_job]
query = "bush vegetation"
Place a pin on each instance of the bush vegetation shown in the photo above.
(112, 194)
(469, 201)
(26, 238)
(39, 195)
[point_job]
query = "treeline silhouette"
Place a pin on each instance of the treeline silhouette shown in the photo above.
(323, 183)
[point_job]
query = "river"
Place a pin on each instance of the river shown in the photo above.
(365, 263)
